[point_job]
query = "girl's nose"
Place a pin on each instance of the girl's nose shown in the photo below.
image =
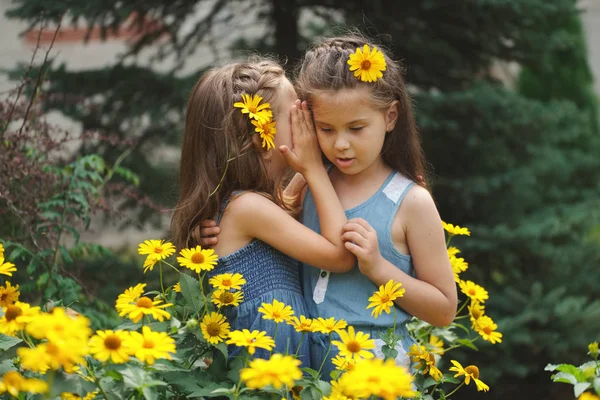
(342, 144)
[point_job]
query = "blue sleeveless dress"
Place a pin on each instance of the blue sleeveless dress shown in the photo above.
(269, 275)
(345, 296)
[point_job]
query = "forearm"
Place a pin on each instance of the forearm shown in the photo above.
(421, 299)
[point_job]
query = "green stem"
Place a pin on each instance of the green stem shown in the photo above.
(326, 355)
(462, 307)
(170, 265)
(50, 381)
(236, 394)
(300, 344)
(204, 298)
(455, 389)
(274, 337)
(162, 288)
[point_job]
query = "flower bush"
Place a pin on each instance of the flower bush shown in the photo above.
(172, 342)
(584, 378)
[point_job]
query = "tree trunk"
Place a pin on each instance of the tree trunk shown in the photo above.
(285, 18)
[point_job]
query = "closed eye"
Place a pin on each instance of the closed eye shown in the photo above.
(325, 129)
(357, 128)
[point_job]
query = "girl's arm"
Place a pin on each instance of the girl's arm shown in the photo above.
(431, 295)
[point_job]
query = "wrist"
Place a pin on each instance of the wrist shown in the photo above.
(377, 273)
(315, 172)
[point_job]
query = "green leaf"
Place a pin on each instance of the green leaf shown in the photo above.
(313, 373)
(429, 382)
(222, 347)
(149, 393)
(596, 385)
(580, 387)
(388, 352)
(572, 370)
(6, 342)
(6, 365)
(65, 254)
(467, 342)
(213, 389)
(190, 289)
(564, 377)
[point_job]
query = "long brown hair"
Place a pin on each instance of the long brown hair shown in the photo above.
(325, 68)
(219, 153)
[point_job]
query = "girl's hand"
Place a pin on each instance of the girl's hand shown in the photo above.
(361, 240)
(305, 155)
(209, 232)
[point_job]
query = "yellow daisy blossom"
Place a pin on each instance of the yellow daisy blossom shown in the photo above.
(437, 345)
(267, 131)
(251, 340)
(157, 249)
(343, 363)
(215, 328)
(278, 371)
(1, 250)
(227, 281)
(36, 359)
(73, 396)
(384, 298)
(301, 325)
(177, 287)
(469, 372)
(108, 344)
(144, 306)
(453, 251)
(277, 311)
(66, 354)
(224, 298)
(588, 396)
(250, 105)
(150, 262)
(13, 383)
(593, 349)
(354, 346)
(367, 64)
(454, 230)
(458, 265)
(149, 346)
(328, 325)
(131, 294)
(8, 294)
(474, 291)
(16, 316)
(425, 361)
(476, 311)
(198, 259)
(59, 326)
(6, 268)
(486, 327)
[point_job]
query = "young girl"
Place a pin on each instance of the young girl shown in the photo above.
(235, 151)
(367, 132)
(366, 129)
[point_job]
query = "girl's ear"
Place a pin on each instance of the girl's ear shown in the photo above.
(391, 116)
(257, 141)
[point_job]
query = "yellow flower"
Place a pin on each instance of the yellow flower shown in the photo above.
(343, 363)
(150, 262)
(13, 383)
(131, 295)
(474, 291)
(383, 299)
(455, 230)
(267, 131)
(375, 377)
(328, 325)
(353, 345)
(301, 325)
(144, 306)
(251, 340)
(157, 249)
(16, 316)
(593, 349)
(486, 327)
(36, 359)
(1, 250)
(59, 326)
(223, 298)
(277, 311)
(177, 287)
(278, 371)
(8, 294)
(198, 259)
(588, 396)
(215, 328)
(250, 105)
(227, 281)
(469, 372)
(73, 396)
(110, 344)
(367, 64)
(149, 346)
(476, 311)
(458, 265)
(437, 345)
(6, 268)
(66, 354)
(453, 251)
(425, 361)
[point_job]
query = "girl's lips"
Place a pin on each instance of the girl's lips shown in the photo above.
(344, 162)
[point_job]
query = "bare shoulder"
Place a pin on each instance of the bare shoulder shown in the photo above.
(418, 207)
(249, 204)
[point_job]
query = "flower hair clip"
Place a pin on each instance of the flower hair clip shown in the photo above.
(367, 64)
(260, 116)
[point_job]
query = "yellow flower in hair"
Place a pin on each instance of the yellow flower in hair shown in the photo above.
(251, 105)
(267, 132)
(367, 64)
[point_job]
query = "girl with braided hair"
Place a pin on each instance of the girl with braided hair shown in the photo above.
(244, 126)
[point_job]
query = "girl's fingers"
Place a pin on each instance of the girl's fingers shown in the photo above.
(355, 227)
(353, 248)
(356, 238)
(209, 241)
(362, 223)
(211, 231)
(209, 222)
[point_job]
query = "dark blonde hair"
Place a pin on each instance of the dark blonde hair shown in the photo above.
(220, 152)
(325, 68)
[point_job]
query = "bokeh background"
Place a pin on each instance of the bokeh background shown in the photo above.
(506, 102)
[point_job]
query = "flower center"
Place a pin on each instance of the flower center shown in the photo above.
(158, 250)
(472, 292)
(197, 258)
(3, 296)
(213, 329)
(487, 330)
(385, 298)
(475, 313)
(366, 64)
(276, 314)
(144, 302)
(148, 344)
(227, 298)
(227, 282)
(473, 371)
(112, 342)
(353, 346)
(252, 109)
(12, 312)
